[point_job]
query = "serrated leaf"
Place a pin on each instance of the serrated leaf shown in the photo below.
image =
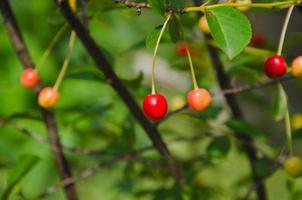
(242, 127)
(280, 104)
(152, 38)
(23, 166)
(158, 6)
(175, 29)
(230, 29)
(219, 147)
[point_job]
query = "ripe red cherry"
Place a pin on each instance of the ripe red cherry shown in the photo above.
(199, 99)
(48, 97)
(275, 66)
(182, 49)
(155, 106)
(30, 78)
(258, 40)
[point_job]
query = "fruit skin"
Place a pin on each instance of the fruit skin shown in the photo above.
(177, 102)
(203, 25)
(243, 8)
(30, 78)
(199, 99)
(48, 97)
(275, 66)
(297, 66)
(258, 40)
(155, 106)
(296, 121)
(182, 49)
(293, 166)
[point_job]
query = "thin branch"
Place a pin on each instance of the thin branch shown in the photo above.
(112, 79)
(48, 116)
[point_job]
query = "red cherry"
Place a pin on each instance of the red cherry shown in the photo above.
(155, 106)
(30, 78)
(258, 40)
(199, 99)
(48, 97)
(275, 66)
(182, 49)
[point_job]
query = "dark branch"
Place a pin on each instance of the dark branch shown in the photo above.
(112, 79)
(49, 119)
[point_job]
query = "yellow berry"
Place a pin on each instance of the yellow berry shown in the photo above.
(203, 25)
(243, 8)
(296, 121)
(177, 102)
(293, 166)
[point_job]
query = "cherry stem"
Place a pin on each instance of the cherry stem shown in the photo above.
(66, 61)
(51, 45)
(195, 85)
(155, 52)
(283, 33)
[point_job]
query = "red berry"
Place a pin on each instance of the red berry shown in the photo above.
(199, 99)
(258, 40)
(155, 106)
(182, 49)
(30, 78)
(48, 97)
(297, 66)
(275, 66)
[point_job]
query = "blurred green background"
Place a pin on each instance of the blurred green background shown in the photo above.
(91, 115)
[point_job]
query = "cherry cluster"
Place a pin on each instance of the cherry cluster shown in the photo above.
(48, 96)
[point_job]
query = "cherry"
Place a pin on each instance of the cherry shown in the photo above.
(275, 66)
(293, 166)
(48, 97)
(258, 40)
(297, 66)
(30, 78)
(155, 106)
(203, 25)
(243, 8)
(199, 99)
(182, 49)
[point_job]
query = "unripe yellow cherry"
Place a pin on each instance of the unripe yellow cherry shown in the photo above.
(243, 8)
(293, 166)
(203, 25)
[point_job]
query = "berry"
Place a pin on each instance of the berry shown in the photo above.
(155, 106)
(30, 78)
(203, 25)
(297, 66)
(182, 49)
(48, 97)
(258, 40)
(275, 66)
(296, 121)
(293, 166)
(177, 102)
(243, 8)
(199, 99)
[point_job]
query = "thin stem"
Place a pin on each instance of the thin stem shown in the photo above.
(195, 85)
(155, 52)
(287, 122)
(51, 45)
(254, 5)
(285, 25)
(66, 61)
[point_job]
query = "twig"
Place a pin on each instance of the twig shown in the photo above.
(49, 119)
(112, 79)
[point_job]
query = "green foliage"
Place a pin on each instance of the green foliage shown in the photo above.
(230, 29)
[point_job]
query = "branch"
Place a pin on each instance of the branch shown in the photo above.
(49, 118)
(112, 79)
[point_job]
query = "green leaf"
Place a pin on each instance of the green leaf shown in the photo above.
(158, 6)
(152, 38)
(23, 166)
(230, 29)
(219, 147)
(243, 128)
(175, 29)
(280, 104)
